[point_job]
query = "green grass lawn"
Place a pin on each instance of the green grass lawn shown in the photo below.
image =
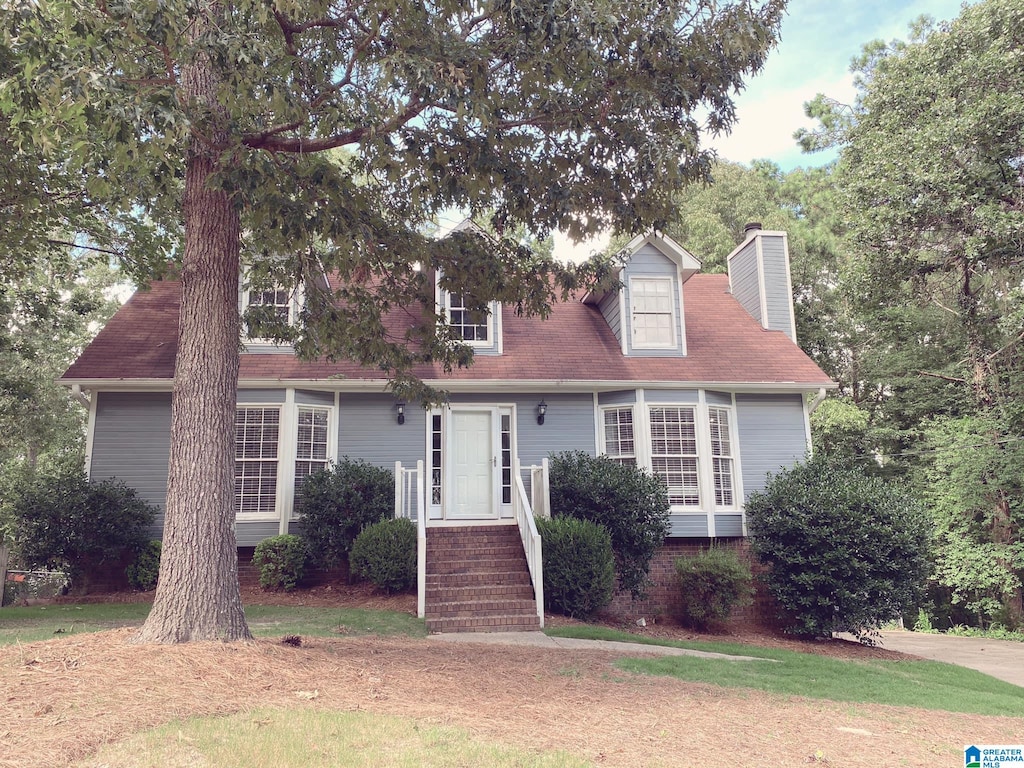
(43, 622)
(305, 738)
(926, 684)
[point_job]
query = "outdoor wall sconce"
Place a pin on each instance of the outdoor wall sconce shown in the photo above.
(542, 408)
(400, 407)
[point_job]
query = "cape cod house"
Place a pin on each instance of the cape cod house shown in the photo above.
(695, 377)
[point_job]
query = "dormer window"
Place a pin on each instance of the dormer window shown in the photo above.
(653, 313)
(463, 321)
(278, 298)
(266, 307)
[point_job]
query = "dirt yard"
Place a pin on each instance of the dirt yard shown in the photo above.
(61, 699)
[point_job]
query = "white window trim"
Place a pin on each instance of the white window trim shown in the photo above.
(490, 324)
(297, 300)
(288, 500)
(602, 437)
(705, 466)
(287, 439)
(673, 315)
(279, 489)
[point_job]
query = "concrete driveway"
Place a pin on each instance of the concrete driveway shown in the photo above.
(1003, 659)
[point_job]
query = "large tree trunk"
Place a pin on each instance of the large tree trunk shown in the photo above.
(197, 595)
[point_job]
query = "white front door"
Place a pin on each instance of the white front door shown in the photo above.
(473, 465)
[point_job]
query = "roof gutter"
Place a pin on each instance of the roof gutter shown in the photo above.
(76, 392)
(818, 400)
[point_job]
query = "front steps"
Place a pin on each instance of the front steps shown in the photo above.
(478, 581)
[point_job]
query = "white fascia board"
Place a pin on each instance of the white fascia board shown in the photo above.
(470, 385)
(687, 263)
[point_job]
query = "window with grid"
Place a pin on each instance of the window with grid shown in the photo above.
(435, 458)
(256, 440)
(721, 457)
(653, 311)
(463, 322)
(310, 443)
(506, 458)
(619, 443)
(279, 299)
(674, 452)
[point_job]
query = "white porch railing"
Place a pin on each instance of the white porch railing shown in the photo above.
(410, 503)
(524, 508)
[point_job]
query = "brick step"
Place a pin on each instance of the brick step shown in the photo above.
(497, 548)
(505, 565)
(478, 579)
(449, 594)
(482, 608)
(464, 538)
(485, 624)
(490, 553)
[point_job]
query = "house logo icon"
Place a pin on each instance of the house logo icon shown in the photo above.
(972, 757)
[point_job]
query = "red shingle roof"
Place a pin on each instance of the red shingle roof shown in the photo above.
(724, 345)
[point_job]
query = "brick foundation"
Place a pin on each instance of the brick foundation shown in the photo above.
(663, 601)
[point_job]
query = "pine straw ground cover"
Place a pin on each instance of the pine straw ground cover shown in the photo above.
(62, 699)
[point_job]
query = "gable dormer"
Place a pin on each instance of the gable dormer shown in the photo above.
(481, 332)
(646, 311)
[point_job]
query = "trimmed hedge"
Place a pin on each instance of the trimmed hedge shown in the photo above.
(631, 504)
(281, 560)
(336, 503)
(62, 521)
(712, 583)
(579, 566)
(143, 572)
(845, 551)
(385, 554)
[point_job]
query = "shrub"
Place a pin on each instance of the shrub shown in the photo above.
(144, 571)
(385, 553)
(712, 583)
(61, 521)
(631, 504)
(281, 560)
(846, 552)
(336, 503)
(579, 566)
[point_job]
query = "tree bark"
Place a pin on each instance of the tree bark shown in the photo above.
(198, 596)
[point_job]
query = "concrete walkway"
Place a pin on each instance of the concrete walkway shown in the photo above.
(1003, 659)
(540, 640)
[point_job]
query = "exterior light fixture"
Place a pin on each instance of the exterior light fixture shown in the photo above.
(400, 407)
(542, 408)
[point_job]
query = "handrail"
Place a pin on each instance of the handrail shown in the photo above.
(530, 537)
(421, 542)
(410, 484)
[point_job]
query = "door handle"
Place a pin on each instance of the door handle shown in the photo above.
(494, 461)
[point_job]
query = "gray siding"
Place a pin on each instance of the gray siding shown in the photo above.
(568, 424)
(688, 526)
(131, 442)
(745, 280)
(650, 262)
(771, 435)
(251, 533)
(718, 398)
(671, 395)
(260, 396)
(368, 429)
(623, 397)
(728, 525)
(777, 290)
(308, 397)
(611, 310)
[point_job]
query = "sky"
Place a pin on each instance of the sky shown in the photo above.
(818, 40)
